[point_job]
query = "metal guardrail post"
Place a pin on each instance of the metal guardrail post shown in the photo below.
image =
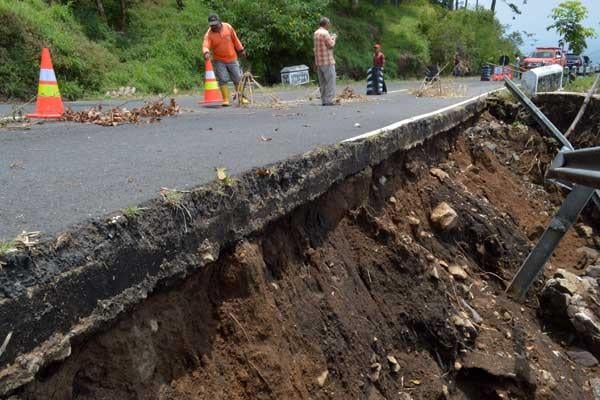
(560, 224)
(570, 209)
(539, 116)
(578, 166)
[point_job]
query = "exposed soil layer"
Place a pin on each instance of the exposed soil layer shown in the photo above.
(358, 295)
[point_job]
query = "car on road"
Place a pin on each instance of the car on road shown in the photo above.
(574, 60)
(545, 56)
(586, 67)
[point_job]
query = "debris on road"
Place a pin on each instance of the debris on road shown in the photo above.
(123, 91)
(349, 95)
(149, 112)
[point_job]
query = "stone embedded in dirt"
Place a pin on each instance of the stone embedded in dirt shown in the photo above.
(413, 221)
(375, 372)
(425, 235)
(474, 314)
(444, 217)
(567, 302)
(458, 272)
(491, 146)
(393, 364)
(430, 257)
(584, 230)
(153, 325)
(434, 273)
(440, 174)
(595, 384)
(588, 256)
(393, 200)
(567, 281)
(322, 378)
(457, 365)
(593, 271)
(583, 358)
(547, 379)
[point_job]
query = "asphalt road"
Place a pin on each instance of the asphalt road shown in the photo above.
(59, 173)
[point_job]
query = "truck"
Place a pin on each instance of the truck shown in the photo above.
(545, 56)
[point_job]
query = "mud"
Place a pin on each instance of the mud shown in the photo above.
(351, 295)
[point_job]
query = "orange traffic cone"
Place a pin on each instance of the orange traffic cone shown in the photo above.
(212, 94)
(49, 103)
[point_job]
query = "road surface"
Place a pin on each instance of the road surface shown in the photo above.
(58, 173)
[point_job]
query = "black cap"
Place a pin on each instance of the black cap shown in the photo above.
(213, 19)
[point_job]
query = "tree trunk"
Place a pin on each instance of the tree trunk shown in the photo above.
(100, 8)
(493, 8)
(354, 4)
(466, 4)
(456, 5)
(123, 23)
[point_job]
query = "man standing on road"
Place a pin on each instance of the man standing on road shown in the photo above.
(324, 43)
(222, 40)
(378, 64)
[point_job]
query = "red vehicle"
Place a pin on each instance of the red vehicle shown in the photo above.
(545, 56)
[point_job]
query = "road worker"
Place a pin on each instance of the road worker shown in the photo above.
(222, 40)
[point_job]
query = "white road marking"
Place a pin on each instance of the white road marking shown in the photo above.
(398, 91)
(398, 124)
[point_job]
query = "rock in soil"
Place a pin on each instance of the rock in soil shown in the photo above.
(583, 358)
(444, 217)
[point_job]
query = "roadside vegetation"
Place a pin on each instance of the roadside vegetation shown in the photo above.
(154, 45)
(581, 84)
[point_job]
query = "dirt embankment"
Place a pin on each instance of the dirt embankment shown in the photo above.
(361, 294)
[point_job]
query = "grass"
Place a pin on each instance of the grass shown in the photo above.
(6, 247)
(133, 211)
(172, 197)
(582, 84)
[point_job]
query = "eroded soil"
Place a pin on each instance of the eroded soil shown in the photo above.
(352, 296)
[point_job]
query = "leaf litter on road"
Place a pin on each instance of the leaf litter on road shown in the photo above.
(149, 112)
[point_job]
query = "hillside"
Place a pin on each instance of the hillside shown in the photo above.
(155, 45)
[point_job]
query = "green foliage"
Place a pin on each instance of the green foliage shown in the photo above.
(581, 84)
(26, 26)
(6, 247)
(568, 18)
(275, 33)
(159, 48)
(477, 36)
(133, 211)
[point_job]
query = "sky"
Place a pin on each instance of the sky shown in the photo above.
(536, 17)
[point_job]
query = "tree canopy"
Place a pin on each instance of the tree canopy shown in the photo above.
(568, 22)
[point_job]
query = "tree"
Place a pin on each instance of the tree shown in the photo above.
(100, 8)
(568, 18)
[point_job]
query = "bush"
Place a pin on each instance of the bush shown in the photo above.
(276, 33)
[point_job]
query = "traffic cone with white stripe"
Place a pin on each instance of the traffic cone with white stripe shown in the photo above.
(49, 103)
(212, 94)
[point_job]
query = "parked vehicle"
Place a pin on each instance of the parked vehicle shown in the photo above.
(574, 60)
(545, 56)
(586, 67)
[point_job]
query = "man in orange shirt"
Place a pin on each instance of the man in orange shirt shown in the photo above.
(223, 42)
